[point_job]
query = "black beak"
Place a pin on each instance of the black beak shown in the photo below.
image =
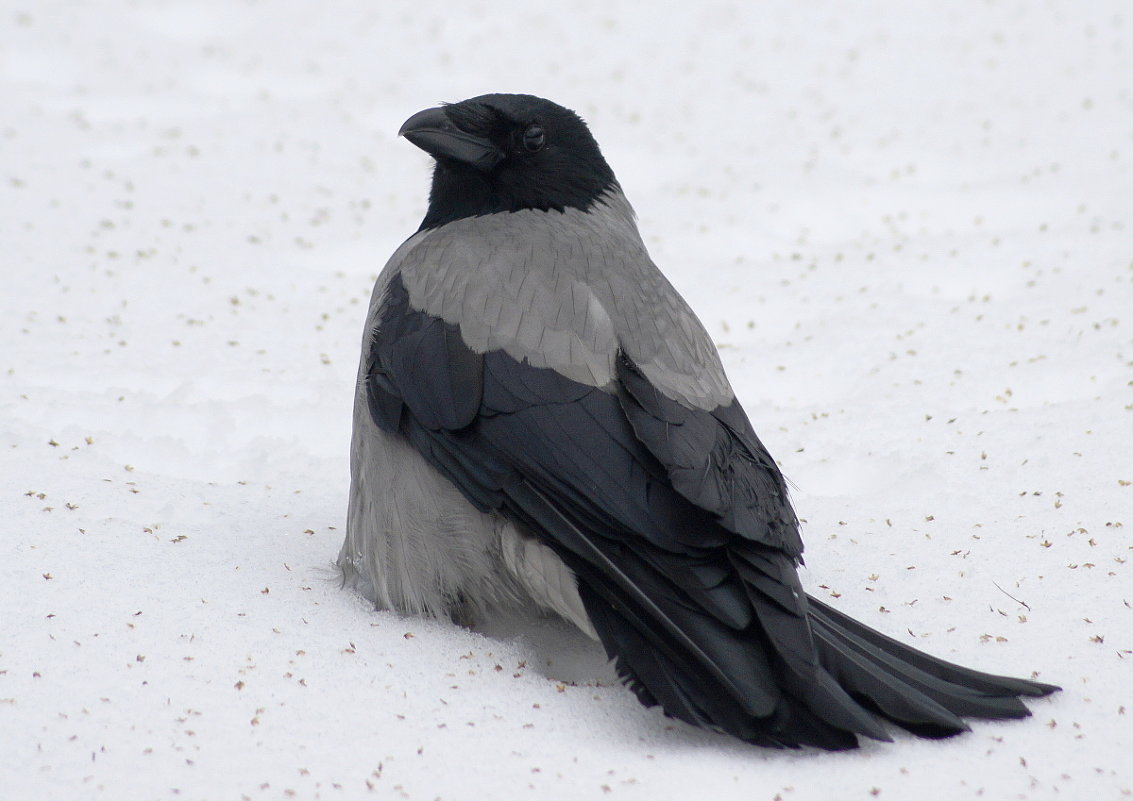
(432, 131)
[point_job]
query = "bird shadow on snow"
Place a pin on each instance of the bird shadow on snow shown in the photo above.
(559, 650)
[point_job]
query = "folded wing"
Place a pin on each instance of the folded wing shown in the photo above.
(677, 524)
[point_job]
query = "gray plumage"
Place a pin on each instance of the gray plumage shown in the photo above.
(565, 290)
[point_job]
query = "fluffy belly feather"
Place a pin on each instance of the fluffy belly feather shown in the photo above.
(415, 545)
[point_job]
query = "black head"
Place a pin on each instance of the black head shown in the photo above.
(502, 153)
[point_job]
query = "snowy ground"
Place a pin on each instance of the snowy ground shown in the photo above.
(909, 226)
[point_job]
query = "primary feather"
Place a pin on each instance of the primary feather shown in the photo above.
(541, 419)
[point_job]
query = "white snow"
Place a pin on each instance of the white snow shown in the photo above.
(908, 226)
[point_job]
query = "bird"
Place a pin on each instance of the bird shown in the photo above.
(542, 422)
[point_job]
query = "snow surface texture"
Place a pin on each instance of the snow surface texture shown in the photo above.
(907, 225)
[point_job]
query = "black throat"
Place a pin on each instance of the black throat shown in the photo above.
(460, 190)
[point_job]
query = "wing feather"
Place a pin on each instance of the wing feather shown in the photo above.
(677, 524)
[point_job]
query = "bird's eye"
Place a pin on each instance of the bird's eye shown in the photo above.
(534, 138)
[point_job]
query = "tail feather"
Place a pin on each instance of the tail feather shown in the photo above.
(974, 680)
(799, 673)
(919, 692)
(873, 673)
(803, 676)
(824, 679)
(660, 674)
(884, 692)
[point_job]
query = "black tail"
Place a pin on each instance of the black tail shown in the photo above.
(812, 677)
(918, 692)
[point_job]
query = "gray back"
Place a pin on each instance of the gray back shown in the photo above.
(564, 290)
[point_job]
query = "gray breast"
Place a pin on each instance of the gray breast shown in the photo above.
(564, 290)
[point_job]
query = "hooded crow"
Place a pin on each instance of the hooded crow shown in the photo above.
(542, 421)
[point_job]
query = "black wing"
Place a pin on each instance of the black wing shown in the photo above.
(676, 523)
